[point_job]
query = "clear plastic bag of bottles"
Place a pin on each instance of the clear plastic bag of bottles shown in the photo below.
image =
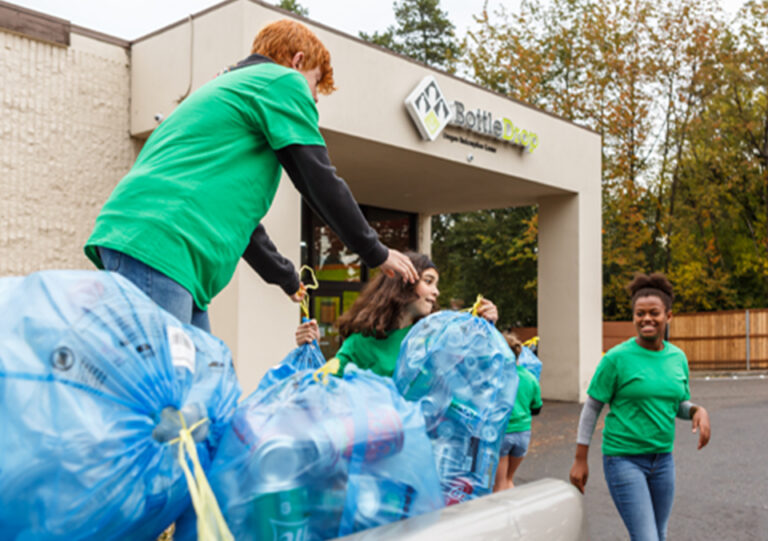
(93, 376)
(304, 357)
(308, 461)
(459, 368)
(529, 360)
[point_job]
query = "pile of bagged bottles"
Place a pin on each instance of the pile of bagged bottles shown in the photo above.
(462, 372)
(307, 460)
(96, 382)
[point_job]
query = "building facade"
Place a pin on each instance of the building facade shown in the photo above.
(410, 141)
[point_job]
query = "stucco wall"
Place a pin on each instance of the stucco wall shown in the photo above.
(64, 144)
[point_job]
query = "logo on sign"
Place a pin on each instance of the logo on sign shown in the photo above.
(431, 111)
(428, 108)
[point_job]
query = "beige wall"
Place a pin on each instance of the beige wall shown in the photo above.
(64, 145)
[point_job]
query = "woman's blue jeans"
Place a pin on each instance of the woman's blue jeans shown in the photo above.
(167, 293)
(642, 488)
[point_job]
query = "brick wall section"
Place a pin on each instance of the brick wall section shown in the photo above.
(64, 144)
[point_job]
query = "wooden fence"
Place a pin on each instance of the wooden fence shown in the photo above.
(725, 340)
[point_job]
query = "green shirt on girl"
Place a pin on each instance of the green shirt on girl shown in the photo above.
(368, 352)
(644, 389)
(528, 397)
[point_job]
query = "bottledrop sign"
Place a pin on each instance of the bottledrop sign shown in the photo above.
(431, 113)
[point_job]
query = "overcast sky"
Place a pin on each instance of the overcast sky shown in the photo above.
(130, 19)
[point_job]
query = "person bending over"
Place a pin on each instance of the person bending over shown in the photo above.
(192, 204)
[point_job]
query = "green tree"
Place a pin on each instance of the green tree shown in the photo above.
(423, 32)
(492, 253)
(294, 7)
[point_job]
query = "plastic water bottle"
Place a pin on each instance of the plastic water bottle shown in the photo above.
(381, 500)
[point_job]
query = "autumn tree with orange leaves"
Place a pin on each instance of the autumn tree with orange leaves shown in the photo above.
(678, 94)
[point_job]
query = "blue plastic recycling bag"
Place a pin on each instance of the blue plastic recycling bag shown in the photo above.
(304, 357)
(307, 461)
(92, 377)
(529, 360)
(462, 372)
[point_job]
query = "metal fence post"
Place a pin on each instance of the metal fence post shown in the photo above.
(747, 321)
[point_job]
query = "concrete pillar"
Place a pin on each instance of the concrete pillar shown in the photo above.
(424, 234)
(570, 293)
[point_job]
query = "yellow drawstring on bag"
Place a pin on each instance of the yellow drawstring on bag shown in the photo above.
(333, 365)
(532, 342)
(475, 307)
(305, 299)
(329, 368)
(211, 525)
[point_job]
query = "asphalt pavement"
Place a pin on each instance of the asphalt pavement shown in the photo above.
(721, 490)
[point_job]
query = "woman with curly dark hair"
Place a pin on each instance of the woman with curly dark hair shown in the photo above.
(376, 324)
(645, 382)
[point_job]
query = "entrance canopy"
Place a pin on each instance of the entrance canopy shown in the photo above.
(408, 138)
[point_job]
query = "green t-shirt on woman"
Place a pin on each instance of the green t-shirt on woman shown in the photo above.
(368, 352)
(644, 389)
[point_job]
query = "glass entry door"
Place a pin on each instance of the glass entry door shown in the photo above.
(340, 272)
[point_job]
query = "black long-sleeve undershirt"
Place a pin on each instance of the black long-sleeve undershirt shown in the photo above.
(263, 257)
(310, 170)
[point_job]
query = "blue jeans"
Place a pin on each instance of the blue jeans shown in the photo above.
(515, 444)
(167, 293)
(642, 488)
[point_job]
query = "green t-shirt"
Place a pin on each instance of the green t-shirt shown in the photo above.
(644, 389)
(376, 354)
(207, 176)
(528, 397)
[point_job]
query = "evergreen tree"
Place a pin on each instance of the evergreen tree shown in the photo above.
(294, 7)
(423, 32)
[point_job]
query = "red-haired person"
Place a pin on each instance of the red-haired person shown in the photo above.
(191, 206)
(645, 382)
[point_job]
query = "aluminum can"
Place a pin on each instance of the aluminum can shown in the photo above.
(459, 490)
(281, 516)
(384, 435)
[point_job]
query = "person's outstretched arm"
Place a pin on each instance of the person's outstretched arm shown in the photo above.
(262, 255)
(587, 422)
(310, 170)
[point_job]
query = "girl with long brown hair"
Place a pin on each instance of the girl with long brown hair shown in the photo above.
(376, 324)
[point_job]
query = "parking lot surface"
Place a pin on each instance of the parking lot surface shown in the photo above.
(721, 491)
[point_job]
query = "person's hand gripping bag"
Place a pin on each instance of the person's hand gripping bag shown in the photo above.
(310, 461)
(93, 377)
(305, 357)
(460, 369)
